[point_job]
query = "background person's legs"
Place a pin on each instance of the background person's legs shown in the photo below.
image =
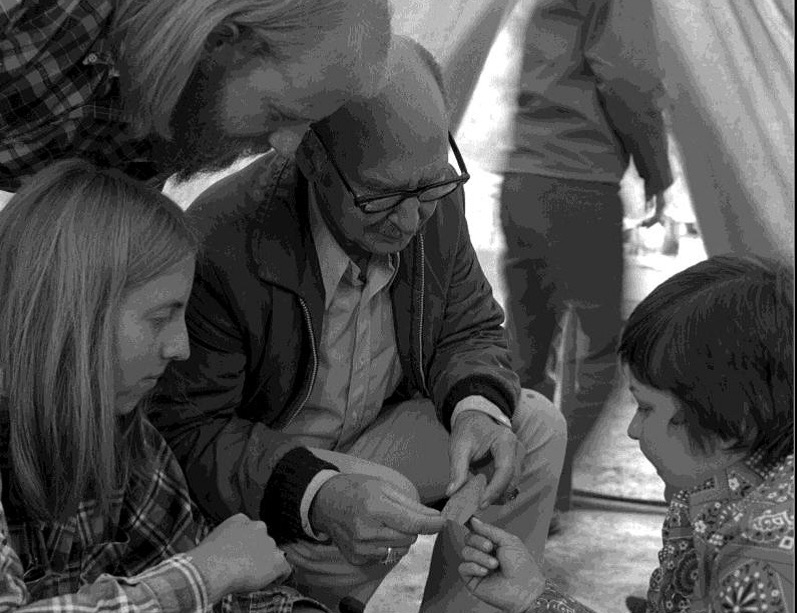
(532, 278)
(564, 247)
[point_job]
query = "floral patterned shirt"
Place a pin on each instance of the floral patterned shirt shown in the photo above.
(728, 545)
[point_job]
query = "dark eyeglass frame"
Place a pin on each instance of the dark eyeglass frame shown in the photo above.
(362, 202)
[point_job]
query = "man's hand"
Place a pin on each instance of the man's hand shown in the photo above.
(473, 437)
(365, 515)
(499, 570)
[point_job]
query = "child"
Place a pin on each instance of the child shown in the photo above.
(709, 357)
(95, 271)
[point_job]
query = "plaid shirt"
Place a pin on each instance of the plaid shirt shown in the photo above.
(59, 91)
(131, 561)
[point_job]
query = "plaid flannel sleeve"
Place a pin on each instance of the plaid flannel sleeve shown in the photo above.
(175, 585)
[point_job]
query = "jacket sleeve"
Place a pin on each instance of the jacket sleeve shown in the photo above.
(232, 463)
(621, 52)
(471, 355)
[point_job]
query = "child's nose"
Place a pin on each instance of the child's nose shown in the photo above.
(634, 427)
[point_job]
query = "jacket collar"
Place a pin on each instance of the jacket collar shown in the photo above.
(280, 239)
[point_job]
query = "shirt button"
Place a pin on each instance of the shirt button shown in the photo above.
(91, 58)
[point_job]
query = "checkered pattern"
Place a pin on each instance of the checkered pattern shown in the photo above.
(59, 91)
(132, 560)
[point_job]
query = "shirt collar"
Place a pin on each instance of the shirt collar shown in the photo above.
(733, 483)
(332, 259)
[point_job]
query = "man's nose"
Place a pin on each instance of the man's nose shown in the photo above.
(411, 214)
(407, 215)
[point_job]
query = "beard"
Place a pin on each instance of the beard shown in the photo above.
(199, 143)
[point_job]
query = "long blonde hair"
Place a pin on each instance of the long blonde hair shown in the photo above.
(162, 43)
(73, 241)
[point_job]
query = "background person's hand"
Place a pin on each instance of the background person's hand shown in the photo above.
(476, 435)
(655, 211)
(365, 515)
(239, 556)
(499, 570)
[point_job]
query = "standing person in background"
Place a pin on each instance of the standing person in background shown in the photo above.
(95, 271)
(156, 88)
(588, 103)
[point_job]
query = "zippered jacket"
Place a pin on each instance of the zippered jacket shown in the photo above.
(254, 320)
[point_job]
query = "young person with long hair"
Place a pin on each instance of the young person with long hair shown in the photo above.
(95, 272)
(709, 357)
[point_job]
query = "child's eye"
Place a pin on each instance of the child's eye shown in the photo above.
(643, 408)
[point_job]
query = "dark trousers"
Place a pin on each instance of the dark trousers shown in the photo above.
(564, 250)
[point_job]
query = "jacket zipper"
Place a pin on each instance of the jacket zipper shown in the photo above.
(313, 373)
(309, 323)
(420, 316)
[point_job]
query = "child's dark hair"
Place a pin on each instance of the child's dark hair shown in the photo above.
(719, 336)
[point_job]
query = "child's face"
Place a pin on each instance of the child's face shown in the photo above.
(151, 333)
(659, 426)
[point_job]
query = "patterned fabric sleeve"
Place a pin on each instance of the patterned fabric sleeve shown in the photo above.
(753, 568)
(754, 586)
(554, 601)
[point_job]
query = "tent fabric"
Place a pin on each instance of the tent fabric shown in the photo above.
(729, 66)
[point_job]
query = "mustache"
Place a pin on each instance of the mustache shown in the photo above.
(390, 229)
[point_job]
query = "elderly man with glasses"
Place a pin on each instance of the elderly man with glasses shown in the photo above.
(348, 365)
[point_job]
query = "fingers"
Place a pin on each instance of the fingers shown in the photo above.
(504, 458)
(496, 535)
(408, 516)
(479, 542)
(469, 570)
(475, 556)
(361, 555)
(460, 465)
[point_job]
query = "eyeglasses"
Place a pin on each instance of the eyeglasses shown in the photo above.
(390, 200)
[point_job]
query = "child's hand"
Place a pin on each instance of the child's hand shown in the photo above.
(239, 556)
(499, 570)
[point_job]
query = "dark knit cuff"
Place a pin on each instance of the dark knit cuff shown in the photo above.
(477, 385)
(280, 507)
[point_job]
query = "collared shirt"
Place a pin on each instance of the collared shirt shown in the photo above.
(358, 361)
(59, 91)
(133, 560)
